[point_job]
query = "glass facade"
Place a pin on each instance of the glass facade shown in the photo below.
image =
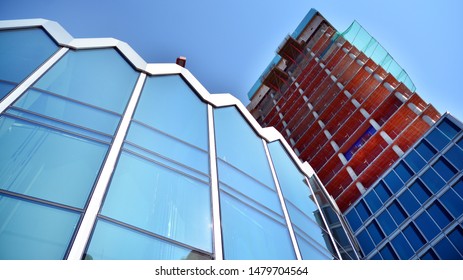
(100, 160)
(420, 215)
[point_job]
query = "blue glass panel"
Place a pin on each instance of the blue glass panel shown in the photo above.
(375, 232)
(427, 226)
(170, 105)
(353, 220)
(68, 111)
(236, 141)
(429, 255)
(460, 142)
(386, 222)
(458, 187)
(308, 250)
(456, 237)
(382, 191)
(161, 201)
(114, 242)
(46, 163)
(409, 202)
(100, 77)
(167, 146)
(376, 256)
(388, 253)
(415, 161)
(393, 181)
(5, 88)
(448, 128)
(414, 237)
(397, 212)
(420, 191)
(455, 155)
(432, 180)
(444, 169)
(452, 202)
(32, 231)
(403, 171)
(402, 248)
(373, 201)
(249, 234)
(425, 150)
(439, 214)
(362, 210)
(437, 139)
(365, 242)
(446, 251)
(18, 56)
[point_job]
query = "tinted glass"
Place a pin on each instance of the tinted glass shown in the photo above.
(444, 169)
(33, 231)
(100, 77)
(439, 214)
(429, 255)
(420, 191)
(393, 181)
(452, 202)
(446, 251)
(403, 171)
(397, 212)
(362, 210)
(375, 232)
(5, 88)
(113, 242)
(46, 163)
(456, 237)
(386, 222)
(427, 226)
(382, 191)
(415, 161)
(455, 155)
(402, 248)
(458, 187)
(437, 139)
(167, 103)
(353, 220)
(425, 150)
(448, 128)
(433, 181)
(161, 201)
(409, 202)
(365, 242)
(373, 201)
(388, 253)
(414, 237)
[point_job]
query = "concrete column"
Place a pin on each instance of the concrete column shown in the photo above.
(342, 158)
(360, 187)
(428, 120)
(351, 172)
(398, 150)
(355, 102)
(414, 108)
(348, 94)
(386, 137)
(375, 124)
(340, 86)
(327, 134)
(400, 96)
(364, 113)
(334, 145)
(388, 86)
(320, 122)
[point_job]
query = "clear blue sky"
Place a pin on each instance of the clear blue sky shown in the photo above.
(229, 43)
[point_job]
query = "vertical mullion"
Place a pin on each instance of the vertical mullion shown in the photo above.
(96, 200)
(217, 228)
(29, 81)
(283, 203)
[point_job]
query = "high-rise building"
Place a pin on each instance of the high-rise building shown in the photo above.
(343, 103)
(415, 210)
(103, 156)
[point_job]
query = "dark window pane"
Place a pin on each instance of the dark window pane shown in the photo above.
(382, 191)
(449, 128)
(362, 210)
(409, 202)
(376, 256)
(425, 150)
(353, 220)
(420, 191)
(365, 242)
(429, 255)
(393, 181)
(446, 251)
(460, 142)
(388, 253)
(375, 232)
(414, 237)
(437, 139)
(5, 88)
(373, 201)
(402, 248)
(432, 180)
(444, 169)
(403, 171)
(386, 222)
(458, 187)
(415, 161)
(439, 214)
(452, 202)
(397, 213)
(456, 237)
(427, 226)
(455, 155)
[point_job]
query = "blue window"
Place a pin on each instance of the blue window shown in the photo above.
(429, 255)
(460, 142)
(353, 220)
(425, 150)
(452, 202)
(114, 242)
(448, 128)
(386, 222)
(415, 161)
(373, 201)
(388, 253)
(375, 232)
(414, 237)
(420, 191)
(362, 210)
(409, 202)
(19, 58)
(365, 242)
(439, 214)
(437, 139)
(456, 237)
(393, 181)
(34, 231)
(402, 247)
(427, 226)
(403, 171)
(444, 169)
(397, 212)
(432, 180)
(458, 187)
(48, 164)
(446, 251)
(383, 191)
(455, 155)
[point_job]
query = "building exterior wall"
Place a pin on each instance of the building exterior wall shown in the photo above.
(104, 156)
(415, 210)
